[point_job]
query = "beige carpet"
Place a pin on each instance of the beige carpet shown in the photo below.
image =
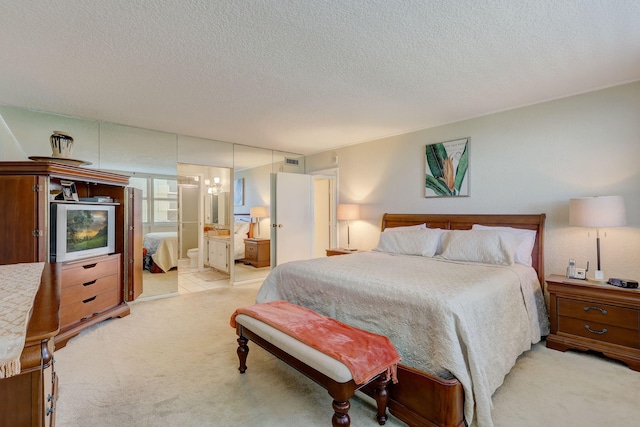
(172, 362)
(154, 284)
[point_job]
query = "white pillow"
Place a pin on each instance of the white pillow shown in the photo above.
(406, 227)
(486, 246)
(527, 241)
(242, 228)
(423, 242)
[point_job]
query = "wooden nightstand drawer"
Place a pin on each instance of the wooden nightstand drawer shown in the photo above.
(599, 331)
(257, 252)
(594, 316)
(251, 252)
(601, 313)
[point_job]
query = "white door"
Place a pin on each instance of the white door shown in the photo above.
(189, 208)
(292, 221)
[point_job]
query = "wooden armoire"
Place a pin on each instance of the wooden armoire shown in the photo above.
(92, 289)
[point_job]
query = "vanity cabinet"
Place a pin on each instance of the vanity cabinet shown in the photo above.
(219, 253)
(93, 288)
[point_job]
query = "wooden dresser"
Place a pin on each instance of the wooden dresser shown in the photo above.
(257, 252)
(29, 398)
(591, 316)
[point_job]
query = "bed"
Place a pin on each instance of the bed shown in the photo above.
(458, 325)
(162, 248)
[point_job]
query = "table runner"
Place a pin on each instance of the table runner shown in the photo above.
(19, 284)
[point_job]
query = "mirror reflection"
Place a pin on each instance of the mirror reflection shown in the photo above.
(251, 206)
(199, 220)
(203, 227)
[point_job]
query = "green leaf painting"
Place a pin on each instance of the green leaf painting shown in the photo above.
(447, 166)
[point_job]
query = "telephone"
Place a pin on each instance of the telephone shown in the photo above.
(574, 272)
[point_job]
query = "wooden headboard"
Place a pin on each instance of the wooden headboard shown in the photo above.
(465, 222)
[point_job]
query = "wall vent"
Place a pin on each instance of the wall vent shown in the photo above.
(288, 161)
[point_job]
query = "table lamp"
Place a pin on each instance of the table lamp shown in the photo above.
(348, 212)
(258, 212)
(597, 212)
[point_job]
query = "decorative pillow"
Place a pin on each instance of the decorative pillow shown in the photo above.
(486, 246)
(527, 241)
(406, 227)
(423, 242)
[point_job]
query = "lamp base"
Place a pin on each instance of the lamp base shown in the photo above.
(598, 277)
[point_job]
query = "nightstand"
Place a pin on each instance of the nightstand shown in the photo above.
(340, 251)
(599, 317)
(257, 252)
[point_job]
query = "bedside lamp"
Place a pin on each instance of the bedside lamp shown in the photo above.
(597, 212)
(258, 212)
(348, 212)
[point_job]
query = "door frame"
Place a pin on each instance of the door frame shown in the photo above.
(333, 175)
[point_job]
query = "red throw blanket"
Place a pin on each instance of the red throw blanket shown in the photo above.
(365, 354)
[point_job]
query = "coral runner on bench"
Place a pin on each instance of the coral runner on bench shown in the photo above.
(365, 354)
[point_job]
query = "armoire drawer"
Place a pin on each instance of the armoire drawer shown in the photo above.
(89, 307)
(74, 294)
(80, 272)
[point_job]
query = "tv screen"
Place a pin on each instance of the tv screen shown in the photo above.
(81, 231)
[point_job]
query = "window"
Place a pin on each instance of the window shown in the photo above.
(165, 201)
(162, 207)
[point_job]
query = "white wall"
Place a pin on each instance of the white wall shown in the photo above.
(528, 160)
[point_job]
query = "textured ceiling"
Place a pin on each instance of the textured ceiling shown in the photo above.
(308, 75)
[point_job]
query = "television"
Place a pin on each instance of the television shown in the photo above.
(81, 231)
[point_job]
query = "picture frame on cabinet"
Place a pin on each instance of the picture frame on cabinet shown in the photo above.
(69, 191)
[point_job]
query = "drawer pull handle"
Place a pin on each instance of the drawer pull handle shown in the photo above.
(90, 283)
(603, 331)
(89, 299)
(89, 265)
(601, 310)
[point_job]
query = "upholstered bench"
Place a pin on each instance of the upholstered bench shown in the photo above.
(313, 344)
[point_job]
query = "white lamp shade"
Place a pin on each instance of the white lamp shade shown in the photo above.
(348, 212)
(258, 212)
(597, 212)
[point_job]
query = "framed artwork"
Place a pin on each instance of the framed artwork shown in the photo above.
(238, 192)
(447, 169)
(69, 191)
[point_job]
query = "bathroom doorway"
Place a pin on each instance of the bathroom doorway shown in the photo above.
(203, 227)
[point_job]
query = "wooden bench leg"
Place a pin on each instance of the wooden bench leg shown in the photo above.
(381, 395)
(340, 415)
(243, 351)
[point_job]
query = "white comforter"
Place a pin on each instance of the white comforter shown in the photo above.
(163, 248)
(468, 320)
